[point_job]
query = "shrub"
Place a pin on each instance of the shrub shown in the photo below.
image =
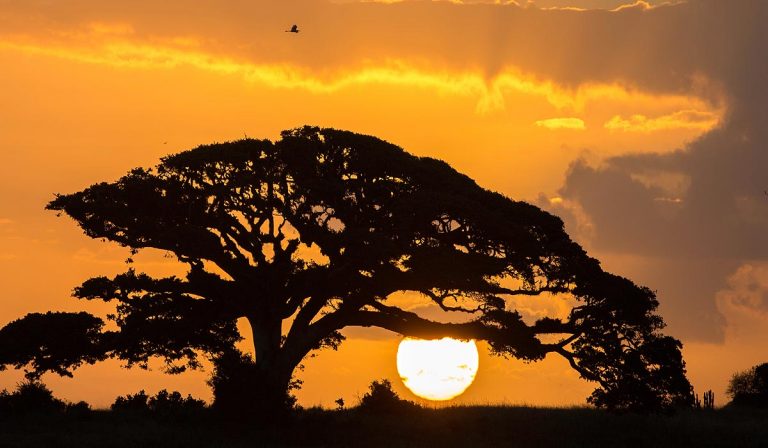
(79, 409)
(166, 401)
(750, 387)
(138, 402)
(30, 397)
(162, 402)
(380, 398)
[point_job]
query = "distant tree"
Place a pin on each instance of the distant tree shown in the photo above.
(380, 398)
(30, 397)
(315, 233)
(750, 387)
(162, 402)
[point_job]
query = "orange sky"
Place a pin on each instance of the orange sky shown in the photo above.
(643, 127)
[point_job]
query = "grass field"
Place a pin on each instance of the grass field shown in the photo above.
(449, 427)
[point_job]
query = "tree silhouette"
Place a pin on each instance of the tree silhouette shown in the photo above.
(56, 342)
(750, 387)
(318, 230)
(380, 398)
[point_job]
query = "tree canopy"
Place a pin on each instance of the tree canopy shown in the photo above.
(750, 387)
(319, 230)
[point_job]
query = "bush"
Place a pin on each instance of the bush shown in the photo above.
(138, 402)
(166, 401)
(750, 387)
(162, 402)
(30, 397)
(79, 409)
(380, 398)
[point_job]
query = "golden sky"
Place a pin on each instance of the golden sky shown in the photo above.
(642, 125)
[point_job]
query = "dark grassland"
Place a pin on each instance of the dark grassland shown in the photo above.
(449, 427)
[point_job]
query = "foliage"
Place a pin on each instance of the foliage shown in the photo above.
(162, 402)
(31, 397)
(233, 387)
(380, 398)
(138, 402)
(750, 387)
(79, 409)
(56, 342)
(315, 232)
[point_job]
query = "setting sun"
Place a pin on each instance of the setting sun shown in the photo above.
(438, 369)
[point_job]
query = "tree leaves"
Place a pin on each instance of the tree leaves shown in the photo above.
(54, 341)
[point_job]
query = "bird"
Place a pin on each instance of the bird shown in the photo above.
(294, 29)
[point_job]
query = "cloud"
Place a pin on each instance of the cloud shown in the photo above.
(708, 52)
(549, 5)
(747, 292)
(743, 301)
(638, 5)
(718, 213)
(118, 45)
(684, 119)
(491, 38)
(562, 123)
(116, 29)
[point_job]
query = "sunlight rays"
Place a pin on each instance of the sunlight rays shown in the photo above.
(115, 46)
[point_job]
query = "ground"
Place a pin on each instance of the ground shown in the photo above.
(450, 427)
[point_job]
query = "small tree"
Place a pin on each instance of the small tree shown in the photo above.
(750, 387)
(30, 397)
(162, 402)
(317, 232)
(380, 398)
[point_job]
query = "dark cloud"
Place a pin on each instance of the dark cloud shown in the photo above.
(660, 48)
(719, 219)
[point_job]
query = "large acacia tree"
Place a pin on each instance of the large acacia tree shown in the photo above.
(316, 232)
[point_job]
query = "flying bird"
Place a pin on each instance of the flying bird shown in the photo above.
(294, 29)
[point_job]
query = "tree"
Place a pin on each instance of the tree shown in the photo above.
(380, 398)
(31, 397)
(750, 387)
(318, 230)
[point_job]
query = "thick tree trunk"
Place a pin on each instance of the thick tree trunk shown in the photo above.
(260, 388)
(270, 375)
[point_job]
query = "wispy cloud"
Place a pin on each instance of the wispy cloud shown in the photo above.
(562, 123)
(115, 45)
(684, 119)
(639, 4)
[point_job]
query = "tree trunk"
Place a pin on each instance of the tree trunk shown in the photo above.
(248, 388)
(264, 383)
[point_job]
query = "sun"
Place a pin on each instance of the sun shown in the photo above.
(438, 369)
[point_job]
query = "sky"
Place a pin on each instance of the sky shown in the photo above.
(642, 125)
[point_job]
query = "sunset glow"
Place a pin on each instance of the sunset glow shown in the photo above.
(640, 124)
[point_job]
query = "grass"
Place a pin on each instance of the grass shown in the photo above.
(476, 426)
